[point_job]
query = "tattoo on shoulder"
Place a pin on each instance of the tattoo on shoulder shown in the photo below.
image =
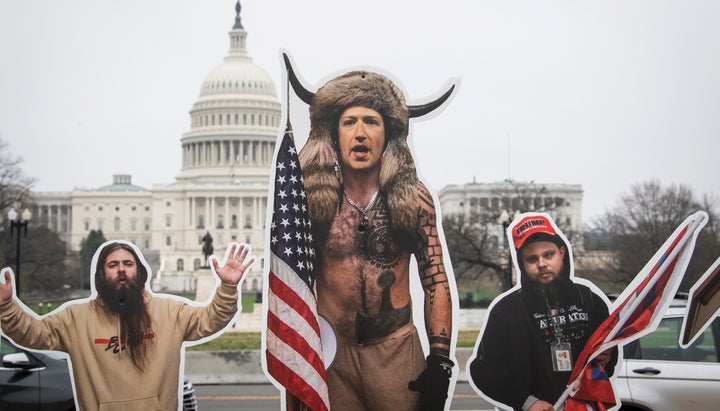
(425, 196)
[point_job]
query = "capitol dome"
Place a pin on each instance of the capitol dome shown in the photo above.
(234, 121)
(237, 75)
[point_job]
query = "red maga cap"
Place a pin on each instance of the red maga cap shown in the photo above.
(530, 225)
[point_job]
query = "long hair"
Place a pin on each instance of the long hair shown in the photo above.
(135, 321)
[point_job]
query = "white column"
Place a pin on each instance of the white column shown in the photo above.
(206, 153)
(211, 152)
(190, 212)
(211, 212)
(194, 213)
(256, 208)
(227, 213)
(241, 212)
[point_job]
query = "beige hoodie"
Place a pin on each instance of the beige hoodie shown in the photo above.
(104, 377)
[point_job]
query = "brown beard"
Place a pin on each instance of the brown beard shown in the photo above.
(128, 304)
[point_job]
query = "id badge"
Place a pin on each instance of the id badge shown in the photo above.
(561, 356)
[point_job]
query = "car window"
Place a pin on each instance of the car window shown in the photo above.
(7, 348)
(662, 344)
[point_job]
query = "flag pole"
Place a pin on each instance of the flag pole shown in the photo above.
(678, 248)
(293, 351)
(689, 230)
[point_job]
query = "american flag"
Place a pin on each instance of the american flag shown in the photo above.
(636, 312)
(293, 347)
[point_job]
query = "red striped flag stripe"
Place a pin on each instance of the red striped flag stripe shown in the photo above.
(293, 337)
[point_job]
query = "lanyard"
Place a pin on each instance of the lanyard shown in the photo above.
(554, 320)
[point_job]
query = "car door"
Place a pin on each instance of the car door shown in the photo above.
(19, 378)
(662, 376)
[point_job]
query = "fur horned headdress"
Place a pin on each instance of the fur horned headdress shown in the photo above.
(398, 178)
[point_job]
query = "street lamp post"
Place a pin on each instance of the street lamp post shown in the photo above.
(505, 219)
(19, 222)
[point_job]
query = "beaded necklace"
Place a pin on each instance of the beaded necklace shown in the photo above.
(362, 210)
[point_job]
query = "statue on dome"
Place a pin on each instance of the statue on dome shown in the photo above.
(238, 23)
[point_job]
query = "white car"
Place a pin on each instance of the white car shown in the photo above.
(657, 375)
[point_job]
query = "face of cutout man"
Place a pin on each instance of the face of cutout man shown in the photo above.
(543, 261)
(361, 138)
(120, 269)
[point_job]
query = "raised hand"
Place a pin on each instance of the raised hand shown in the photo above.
(6, 288)
(236, 263)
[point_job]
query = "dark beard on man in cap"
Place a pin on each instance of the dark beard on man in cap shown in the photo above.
(551, 290)
(129, 304)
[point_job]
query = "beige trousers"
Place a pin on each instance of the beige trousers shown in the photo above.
(375, 376)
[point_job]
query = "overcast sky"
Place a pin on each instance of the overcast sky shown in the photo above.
(599, 93)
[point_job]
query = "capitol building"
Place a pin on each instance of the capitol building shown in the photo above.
(222, 187)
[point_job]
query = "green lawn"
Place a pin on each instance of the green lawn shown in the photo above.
(466, 339)
(231, 341)
(236, 341)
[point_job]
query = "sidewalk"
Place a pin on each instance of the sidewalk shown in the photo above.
(469, 319)
(244, 367)
(267, 397)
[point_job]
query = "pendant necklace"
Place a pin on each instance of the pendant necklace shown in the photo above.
(362, 210)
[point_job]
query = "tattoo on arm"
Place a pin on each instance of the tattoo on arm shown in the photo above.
(433, 276)
(429, 253)
(440, 344)
(440, 340)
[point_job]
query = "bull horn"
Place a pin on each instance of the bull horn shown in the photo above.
(304, 94)
(307, 96)
(421, 110)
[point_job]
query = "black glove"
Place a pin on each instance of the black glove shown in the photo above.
(433, 382)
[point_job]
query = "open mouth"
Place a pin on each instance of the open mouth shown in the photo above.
(360, 149)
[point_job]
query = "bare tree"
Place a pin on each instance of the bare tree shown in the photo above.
(14, 184)
(475, 249)
(476, 240)
(642, 221)
(42, 260)
(43, 253)
(14, 188)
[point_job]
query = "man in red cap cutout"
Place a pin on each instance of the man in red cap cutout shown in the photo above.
(534, 332)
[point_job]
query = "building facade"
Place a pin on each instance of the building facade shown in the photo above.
(222, 187)
(499, 202)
